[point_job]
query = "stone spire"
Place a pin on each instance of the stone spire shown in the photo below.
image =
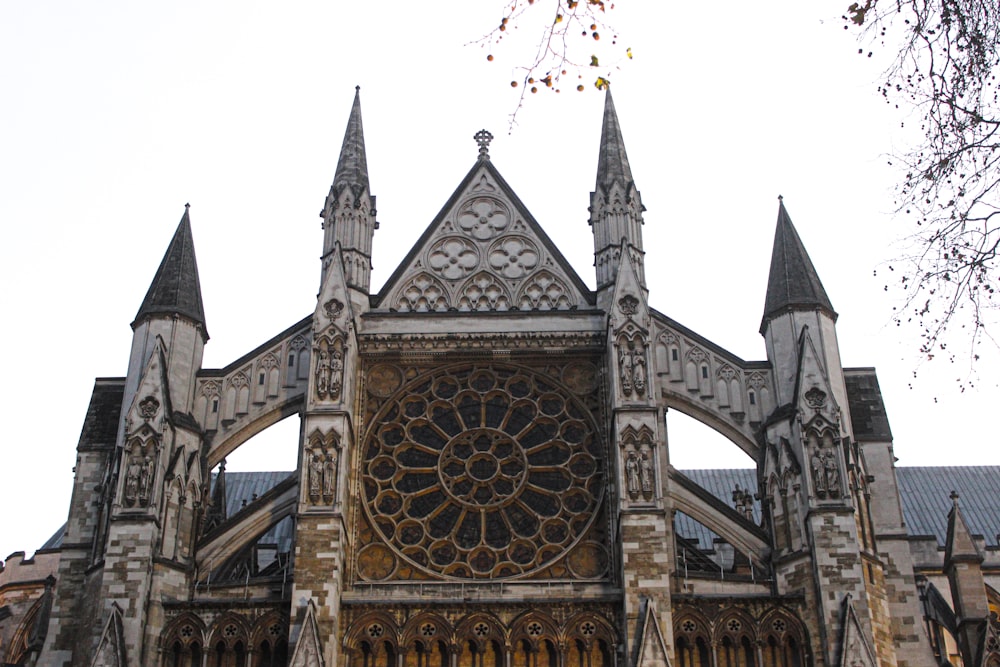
(793, 283)
(349, 211)
(352, 167)
(612, 164)
(176, 289)
(615, 205)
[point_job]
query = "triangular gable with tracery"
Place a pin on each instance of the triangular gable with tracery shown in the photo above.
(111, 649)
(484, 252)
(308, 649)
(855, 651)
(650, 646)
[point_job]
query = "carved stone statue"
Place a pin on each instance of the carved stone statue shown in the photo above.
(639, 369)
(145, 480)
(132, 481)
(330, 476)
(322, 373)
(336, 373)
(315, 477)
(625, 368)
(818, 473)
(832, 474)
(646, 475)
(632, 475)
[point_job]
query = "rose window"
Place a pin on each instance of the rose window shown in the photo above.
(481, 473)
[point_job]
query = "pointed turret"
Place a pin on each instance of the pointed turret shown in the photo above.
(793, 282)
(963, 565)
(615, 205)
(176, 289)
(959, 545)
(349, 211)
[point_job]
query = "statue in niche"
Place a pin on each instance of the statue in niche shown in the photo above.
(639, 368)
(625, 362)
(336, 373)
(632, 475)
(816, 463)
(132, 481)
(322, 373)
(330, 476)
(315, 477)
(831, 474)
(145, 480)
(646, 475)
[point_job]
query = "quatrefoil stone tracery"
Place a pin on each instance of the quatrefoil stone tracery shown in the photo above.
(453, 258)
(514, 257)
(483, 218)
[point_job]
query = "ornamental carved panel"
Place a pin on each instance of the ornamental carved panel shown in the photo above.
(482, 472)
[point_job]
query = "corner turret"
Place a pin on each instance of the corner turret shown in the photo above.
(172, 310)
(615, 206)
(795, 300)
(176, 288)
(349, 211)
(963, 564)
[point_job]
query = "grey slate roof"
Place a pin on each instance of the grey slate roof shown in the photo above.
(243, 486)
(100, 426)
(176, 288)
(720, 483)
(925, 492)
(864, 399)
(612, 163)
(792, 281)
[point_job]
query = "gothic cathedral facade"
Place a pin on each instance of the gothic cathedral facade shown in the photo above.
(483, 477)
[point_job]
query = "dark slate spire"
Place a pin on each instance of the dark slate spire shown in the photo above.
(352, 168)
(175, 289)
(612, 164)
(793, 282)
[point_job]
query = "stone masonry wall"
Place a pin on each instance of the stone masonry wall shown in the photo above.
(319, 577)
(647, 566)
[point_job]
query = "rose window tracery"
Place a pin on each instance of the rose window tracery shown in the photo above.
(482, 473)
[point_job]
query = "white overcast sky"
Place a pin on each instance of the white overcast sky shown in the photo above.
(114, 114)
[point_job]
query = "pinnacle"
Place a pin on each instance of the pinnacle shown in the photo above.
(792, 282)
(176, 288)
(352, 167)
(612, 164)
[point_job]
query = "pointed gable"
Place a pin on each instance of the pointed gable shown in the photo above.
(959, 545)
(111, 647)
(176, 288)
(855, 650)
(813, 393)
(151, 404)
(650, 648)
(484, 252)
(308, 649)
(792, 281)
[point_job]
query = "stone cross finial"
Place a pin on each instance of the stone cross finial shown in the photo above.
(483, 138)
